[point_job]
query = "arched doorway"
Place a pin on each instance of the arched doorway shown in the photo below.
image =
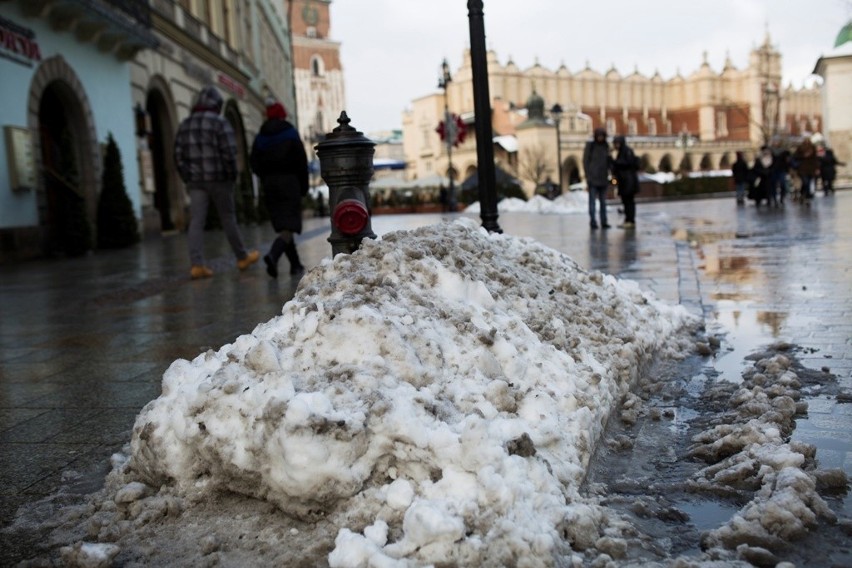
(168, 200)
(244, 194)
(571, 171)
(68, 157)
(666, 163)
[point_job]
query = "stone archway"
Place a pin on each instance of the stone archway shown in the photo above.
(169, 198)
(571, 171)
(57, 93)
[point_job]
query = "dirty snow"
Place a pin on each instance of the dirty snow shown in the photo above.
(751, 450)
(454, 381)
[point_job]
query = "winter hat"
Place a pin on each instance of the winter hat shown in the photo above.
(276, 110)
(209, 100)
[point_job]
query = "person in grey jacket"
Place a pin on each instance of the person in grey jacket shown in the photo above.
(596, 166)
(206, 157)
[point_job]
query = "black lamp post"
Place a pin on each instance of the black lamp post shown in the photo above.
(556, 114)
(482, 110)
(449, 132)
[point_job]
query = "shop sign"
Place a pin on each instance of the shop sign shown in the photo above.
(18, 43)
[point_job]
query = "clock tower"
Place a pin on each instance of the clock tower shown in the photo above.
(317, 70)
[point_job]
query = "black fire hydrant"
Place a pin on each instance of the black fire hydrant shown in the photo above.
(346, 165)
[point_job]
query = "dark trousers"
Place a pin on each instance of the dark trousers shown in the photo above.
(629, 202)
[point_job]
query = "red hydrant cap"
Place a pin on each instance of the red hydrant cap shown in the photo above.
(350, 216)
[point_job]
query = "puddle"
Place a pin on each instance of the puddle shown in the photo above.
(707, 515)
(749, 330)
(680, 421)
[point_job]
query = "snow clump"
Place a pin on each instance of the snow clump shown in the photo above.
(445, 387)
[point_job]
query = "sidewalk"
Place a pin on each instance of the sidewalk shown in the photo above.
(84, 342)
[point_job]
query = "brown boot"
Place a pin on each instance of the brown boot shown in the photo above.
(250, 259)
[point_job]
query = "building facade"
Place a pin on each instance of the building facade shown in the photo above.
(241, 47)
(683, 123)
(835, 67)
(76, 71)
(65, 89)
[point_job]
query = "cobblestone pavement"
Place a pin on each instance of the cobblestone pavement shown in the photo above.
(84, 342)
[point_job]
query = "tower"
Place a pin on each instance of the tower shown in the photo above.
(318, 73)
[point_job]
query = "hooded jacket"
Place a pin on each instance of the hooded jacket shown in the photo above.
(205, 148)
(596, 161)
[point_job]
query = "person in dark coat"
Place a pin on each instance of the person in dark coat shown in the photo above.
(762, 176)
(278, 158)
(740, 172)
(596, 165)
(625, 168)
(780, 169)
(806, 164)
(828, 170)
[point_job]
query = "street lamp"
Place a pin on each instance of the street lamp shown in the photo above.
(556, 114)
(449, 132)
(482, 111)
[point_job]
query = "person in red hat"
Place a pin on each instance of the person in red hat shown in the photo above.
(278, 158)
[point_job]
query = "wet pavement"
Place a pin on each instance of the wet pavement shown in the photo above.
(84, 342)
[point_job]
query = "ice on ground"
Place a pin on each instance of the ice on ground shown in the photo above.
(443, 386)
(564, 204)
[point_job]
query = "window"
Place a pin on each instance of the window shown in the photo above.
(311, 32)
(610, 126)
(317, 67)
(632, 129)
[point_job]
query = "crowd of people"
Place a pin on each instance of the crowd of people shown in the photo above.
(778, 174)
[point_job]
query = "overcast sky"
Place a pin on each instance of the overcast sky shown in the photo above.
(392, 49)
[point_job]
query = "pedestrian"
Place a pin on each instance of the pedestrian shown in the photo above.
(741, 177)
(780, 170)
(806, 164)
(625, 169)
(279, 159)
(205, 154)
(828, 170)
(596, 165)
(764, 174)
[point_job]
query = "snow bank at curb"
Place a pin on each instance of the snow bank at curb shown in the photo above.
(444, 386)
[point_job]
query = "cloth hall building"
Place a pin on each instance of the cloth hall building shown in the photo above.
(691, 122)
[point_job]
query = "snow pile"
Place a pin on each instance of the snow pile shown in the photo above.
(565, 204)
(750, 451)
(441, 390)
